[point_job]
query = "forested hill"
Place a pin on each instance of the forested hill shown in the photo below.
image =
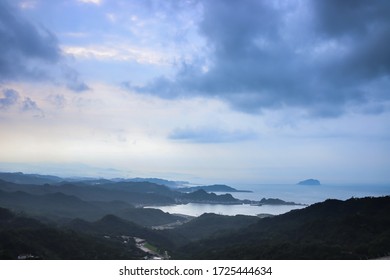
(334, 229)
(26, 238)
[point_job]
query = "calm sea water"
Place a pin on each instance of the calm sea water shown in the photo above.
(295, 193)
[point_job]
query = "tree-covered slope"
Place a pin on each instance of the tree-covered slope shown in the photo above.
(352, 229)
(23, 237)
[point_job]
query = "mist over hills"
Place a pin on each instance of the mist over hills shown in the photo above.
(137, 193)
(38, 179)
(32, 179)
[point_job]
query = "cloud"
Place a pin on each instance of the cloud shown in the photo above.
(72, 79)
(28, 4)
(96, 2)
(58, 100)
(30, 52)
(320, 56)
(210, 135)
(336, 18)
(10, 98)
(119, 52)
(363, 29)
(20, 40)
(29, 105)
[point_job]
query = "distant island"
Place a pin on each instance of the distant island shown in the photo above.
(310, 182)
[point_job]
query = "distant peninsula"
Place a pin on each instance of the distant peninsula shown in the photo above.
(211, 188)
(274, 201)
(201, 196)
(310, 182)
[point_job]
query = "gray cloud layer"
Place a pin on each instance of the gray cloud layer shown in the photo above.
(322, 56)
(27, 50)
(21, 41)
(211, 135)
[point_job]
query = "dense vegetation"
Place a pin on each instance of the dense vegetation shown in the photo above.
(203, 196)
(207, 225)
(352, 229)
(23, 237)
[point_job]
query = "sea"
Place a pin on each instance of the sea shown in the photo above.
(305, 195)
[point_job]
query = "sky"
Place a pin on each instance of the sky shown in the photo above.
(215, 91)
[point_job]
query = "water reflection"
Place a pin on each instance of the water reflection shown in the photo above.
(197, 209)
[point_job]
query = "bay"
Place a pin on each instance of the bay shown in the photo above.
(197, 209)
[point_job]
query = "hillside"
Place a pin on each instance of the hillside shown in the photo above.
(113, 226)
(57, 206)
(210, 224)
(33, 179)
(27, 238)
(201, 196)
(352, 229)
(132, 193)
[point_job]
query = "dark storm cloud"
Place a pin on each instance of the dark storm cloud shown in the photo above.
(350, 17)
(20, 40)
(322, 56)
(27, 50)
(363, 27)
